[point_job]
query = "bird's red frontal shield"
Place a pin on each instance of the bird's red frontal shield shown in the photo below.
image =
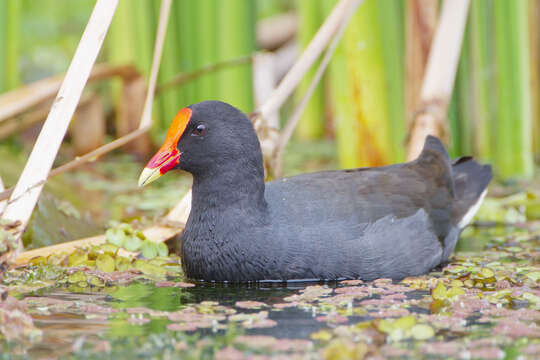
(168, 156)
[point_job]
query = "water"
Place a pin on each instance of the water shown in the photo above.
(316, 319)
(69, 324)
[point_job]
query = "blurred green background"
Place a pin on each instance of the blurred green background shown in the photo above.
(359, 114)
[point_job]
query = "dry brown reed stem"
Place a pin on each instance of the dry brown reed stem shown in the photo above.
(39, 93)
(534, 58)
(185, 77)
(92, 155)
(18, 101)
(48, 142)
(121, 141)
(308, 57)
(274, 31)
(146, 119)
(112, 71)
(3, 203)
(145, 124)
(291, 124)
(88, 131)
(439, 76)
(18, 124)
(160, 233)
(420, 25)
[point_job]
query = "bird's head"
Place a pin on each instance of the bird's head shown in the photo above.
(203, 136)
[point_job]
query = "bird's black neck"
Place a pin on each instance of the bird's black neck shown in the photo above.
(226, 201)
(237, 184)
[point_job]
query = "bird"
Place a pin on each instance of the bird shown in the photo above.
(365, 223)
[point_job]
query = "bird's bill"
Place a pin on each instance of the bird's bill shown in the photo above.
(160, 163)
(168, 156)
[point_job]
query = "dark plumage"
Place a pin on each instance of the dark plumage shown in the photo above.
(393, 221)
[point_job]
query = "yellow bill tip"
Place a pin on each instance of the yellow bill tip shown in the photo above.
(148, 175)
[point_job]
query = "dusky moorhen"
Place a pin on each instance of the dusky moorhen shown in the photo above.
(393, 221)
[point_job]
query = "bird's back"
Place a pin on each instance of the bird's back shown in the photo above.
(391, 221)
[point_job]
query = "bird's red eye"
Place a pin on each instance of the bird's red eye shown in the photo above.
(199, 130)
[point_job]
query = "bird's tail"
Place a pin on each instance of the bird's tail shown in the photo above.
(466, 179)
(470, 182)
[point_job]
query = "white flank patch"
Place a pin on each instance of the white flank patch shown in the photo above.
(466, 219)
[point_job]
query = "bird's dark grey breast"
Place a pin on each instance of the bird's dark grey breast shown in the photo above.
(226, 245)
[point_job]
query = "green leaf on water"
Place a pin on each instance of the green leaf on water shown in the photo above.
(133, 243)
(90, 263)
(323, 335)
(158, 261)
(405, 322)
(149, 249)
(532, 210)
(149, 269)
(422, 332)
(95, 281)
(105, 262)
(78, 258)
(109, 248)
(39, 260)
(531, 298)
(122, 263)
(454, 291)
(126, 228)
(439, 292)
(385, 326)
(534, 276)
(486, 272)
(115, 236)
(162, 249)
(77, 277)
